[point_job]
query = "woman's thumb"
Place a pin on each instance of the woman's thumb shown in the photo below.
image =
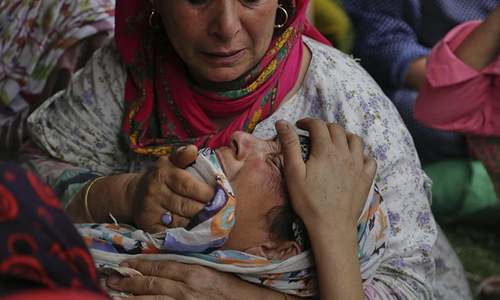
(184, 156)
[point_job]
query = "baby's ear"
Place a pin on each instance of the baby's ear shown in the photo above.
(275, 250)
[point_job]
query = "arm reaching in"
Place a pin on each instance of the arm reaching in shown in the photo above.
(482, 46)
(336, 166)
(143, 198)
(462, 86)
(165, 280)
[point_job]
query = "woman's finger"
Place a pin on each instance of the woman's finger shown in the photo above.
(181, 206)
(184, 156)
(370, 166)
(184, 183)
(165, 220)
(178, 221)
(356, 148)
(319, 134)
(165, 269)
(338, 137)
(146, 285)
(294, 166)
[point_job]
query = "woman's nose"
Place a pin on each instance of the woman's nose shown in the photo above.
(226, 21)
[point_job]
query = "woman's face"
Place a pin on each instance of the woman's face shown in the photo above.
(219, 40)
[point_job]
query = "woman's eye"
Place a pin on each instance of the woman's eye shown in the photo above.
(197, 2)
(251, 2)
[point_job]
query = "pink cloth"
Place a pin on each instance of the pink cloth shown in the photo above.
(457, 97)
(44, 294)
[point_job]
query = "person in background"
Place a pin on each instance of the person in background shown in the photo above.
(393, 41)
(462, 86)
(462, 94)
(42, 43)
(333, 22)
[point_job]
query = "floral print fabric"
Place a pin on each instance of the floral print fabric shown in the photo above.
(335, 89)
(35, 34)
(41, 44)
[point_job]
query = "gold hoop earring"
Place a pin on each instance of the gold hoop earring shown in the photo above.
(153, 22)
(285, 14)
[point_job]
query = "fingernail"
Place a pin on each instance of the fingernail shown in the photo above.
(166, 218)
(181, 148)
(113, 279)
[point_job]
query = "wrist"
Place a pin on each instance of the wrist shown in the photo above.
(331, 226)
(333, 234)
(338, 255)
(132, 183)
(113, 195)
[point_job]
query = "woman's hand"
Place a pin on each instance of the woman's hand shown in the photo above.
(330, 189)
(173, 280)
(168, 195)
(328, 192)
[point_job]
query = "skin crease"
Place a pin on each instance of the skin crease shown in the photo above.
(248, 163)
(199, 30)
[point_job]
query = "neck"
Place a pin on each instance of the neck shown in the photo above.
(224, 86)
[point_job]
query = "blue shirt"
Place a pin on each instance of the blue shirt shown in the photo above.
(392, 34)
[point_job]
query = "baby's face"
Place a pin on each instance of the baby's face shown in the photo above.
(254, 169)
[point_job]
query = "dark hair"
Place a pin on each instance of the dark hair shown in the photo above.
(285, 225)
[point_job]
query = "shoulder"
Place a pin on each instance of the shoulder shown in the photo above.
(331, 64)
(85, 119)
(337, 78)
(98, 85)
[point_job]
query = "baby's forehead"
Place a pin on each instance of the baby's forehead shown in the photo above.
(304, 145)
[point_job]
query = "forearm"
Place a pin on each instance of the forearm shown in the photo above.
(111, 194)
(415, 76)
(337, 263)
(482, 46)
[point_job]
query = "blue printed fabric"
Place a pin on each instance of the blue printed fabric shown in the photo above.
(391, 34)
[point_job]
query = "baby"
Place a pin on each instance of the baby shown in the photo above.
(249, 228)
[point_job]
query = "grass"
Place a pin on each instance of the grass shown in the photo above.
(479, 250)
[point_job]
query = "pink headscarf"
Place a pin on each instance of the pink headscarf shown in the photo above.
(158, 87)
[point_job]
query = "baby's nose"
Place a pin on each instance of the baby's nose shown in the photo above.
(243, 144)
